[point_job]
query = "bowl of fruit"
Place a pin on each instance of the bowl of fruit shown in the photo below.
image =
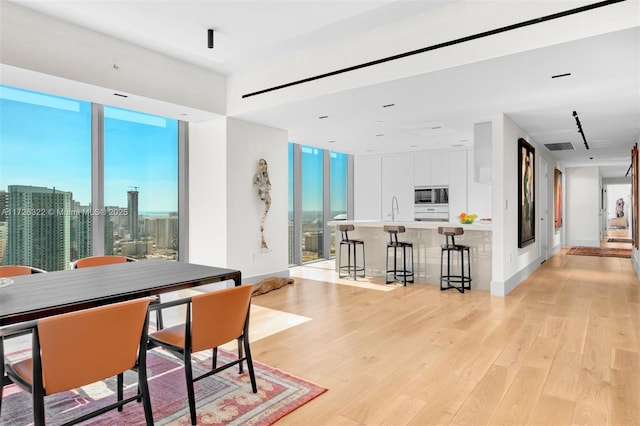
(467, 219)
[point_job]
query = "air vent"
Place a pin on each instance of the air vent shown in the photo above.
(562, 146)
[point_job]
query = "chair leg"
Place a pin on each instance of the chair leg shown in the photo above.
(120, 386)
(239, 355)
(214, 358)
(190, 391)
(143, 389)
(252, 376)
(38, 408)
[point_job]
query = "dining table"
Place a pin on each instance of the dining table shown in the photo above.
(35, 296)
(31, 297)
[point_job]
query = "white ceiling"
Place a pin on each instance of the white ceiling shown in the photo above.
(432, 111)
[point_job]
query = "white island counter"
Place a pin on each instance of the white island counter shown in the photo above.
(426, 246)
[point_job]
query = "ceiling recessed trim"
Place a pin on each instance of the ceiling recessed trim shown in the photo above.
(460, 40)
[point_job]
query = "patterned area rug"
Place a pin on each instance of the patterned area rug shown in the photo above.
(222, 399)
(602, 252)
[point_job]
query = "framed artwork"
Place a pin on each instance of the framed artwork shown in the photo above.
(526, 191)
(557, 200)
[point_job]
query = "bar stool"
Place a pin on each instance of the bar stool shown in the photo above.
(351, 247)
(404, 273)
(450, 246)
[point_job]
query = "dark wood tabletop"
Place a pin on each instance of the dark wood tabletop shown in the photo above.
(45, 294)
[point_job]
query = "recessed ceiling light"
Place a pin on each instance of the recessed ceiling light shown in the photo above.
(388, 105)
(378, 122)
(323, 117)
(121, 95)
(332, 141)
(369, 150)
(413, 146)
(436, 127)
(566, 74)
(380, 134)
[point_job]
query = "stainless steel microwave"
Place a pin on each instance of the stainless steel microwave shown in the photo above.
(431, 195)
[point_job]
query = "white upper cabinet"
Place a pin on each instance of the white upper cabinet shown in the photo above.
(367, 181)
(397, 181)
(431, 169)
(457, 183)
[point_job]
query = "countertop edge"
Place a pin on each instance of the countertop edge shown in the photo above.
(487, 227)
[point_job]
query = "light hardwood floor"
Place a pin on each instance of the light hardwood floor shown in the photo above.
(561, 349)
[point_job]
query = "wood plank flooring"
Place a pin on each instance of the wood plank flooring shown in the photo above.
(561, 349)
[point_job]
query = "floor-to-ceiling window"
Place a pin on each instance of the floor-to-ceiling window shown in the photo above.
(318, 181)
(338, 192)
(312, 204)
(45, 179)
(49, 153)
(141, 179)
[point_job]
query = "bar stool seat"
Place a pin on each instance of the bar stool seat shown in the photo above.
(404, 248)
(352, 245)
(462, 280)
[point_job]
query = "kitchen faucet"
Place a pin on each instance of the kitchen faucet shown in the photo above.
(396, 210)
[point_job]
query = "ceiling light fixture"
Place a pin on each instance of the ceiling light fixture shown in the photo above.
(567, 74)
(210, 38)
(575, 115)
(322, 117)
(332, 141)
(388, 105)
(380, 134)
(121, 95)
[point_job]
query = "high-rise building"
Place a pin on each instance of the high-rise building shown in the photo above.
(132, 206)
(81, 231)
(38, 227)
(4, 203)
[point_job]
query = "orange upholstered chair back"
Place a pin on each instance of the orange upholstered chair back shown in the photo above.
(218, 317)
(87, 346)
(14, 270)
(99, 261)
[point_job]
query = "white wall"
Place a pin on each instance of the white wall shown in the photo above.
(582, 211)
(208, 193)
(511, 264)
(247, 143)
(224, 209)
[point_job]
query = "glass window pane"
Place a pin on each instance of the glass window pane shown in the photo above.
(45, 179)
(312, 210)
(291, 229)
(140, 184)
(338, 191)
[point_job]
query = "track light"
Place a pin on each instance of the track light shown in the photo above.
(575, 115)
(210, 38)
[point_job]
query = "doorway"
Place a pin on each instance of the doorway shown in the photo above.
(617, 206)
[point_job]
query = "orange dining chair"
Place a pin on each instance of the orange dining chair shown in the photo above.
(100, 261)
(212, 319)
(109, 259)
(16, 270)
(83, 347)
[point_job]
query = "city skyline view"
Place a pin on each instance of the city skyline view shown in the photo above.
(45, 141)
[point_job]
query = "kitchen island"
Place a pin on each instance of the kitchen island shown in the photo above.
(426, 245)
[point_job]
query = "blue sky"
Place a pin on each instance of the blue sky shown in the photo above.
(46, 141)
(312, 179)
